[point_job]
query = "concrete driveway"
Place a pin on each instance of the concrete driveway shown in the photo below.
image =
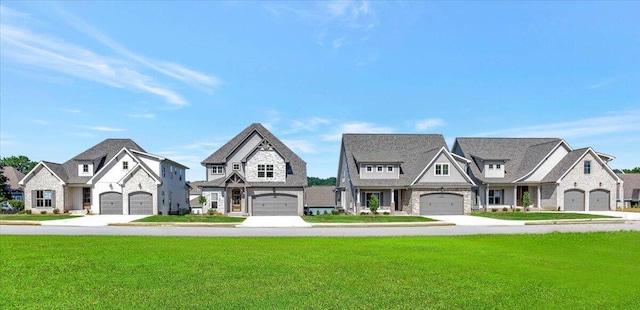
(274, 221)
(94, 220)
(470, 220)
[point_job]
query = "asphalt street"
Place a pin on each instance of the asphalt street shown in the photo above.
(312, 232)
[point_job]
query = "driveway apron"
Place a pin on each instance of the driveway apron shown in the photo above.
(94, 220)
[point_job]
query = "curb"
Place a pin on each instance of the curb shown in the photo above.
(176, 224)
(577, 221)
(21, 222)
(395, 224)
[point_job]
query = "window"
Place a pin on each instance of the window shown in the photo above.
(369, 168)
(389, 168)
(236, 166)
(587, 167)
(85, 168)
(125, 165)
(86, 195)
(379, 168)
(214, 200)
(498, 166)
(216, 170)
(164, 172)
(44, 198)
(495, 197)
(269, 171)
(490, 166)
(442, 169)
(261, 171)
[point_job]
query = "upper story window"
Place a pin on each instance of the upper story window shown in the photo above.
(236, 166)
(369, 168)
(498, 166)
(125, 165)
(265, 171)
(379, 168)
(216, 170)
(85, 168)
(269, 171)
(587, 167)
(442, 169)
(389, 168)
(490, 166)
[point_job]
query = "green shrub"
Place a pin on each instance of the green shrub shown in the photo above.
(23, 211)
(374, 204)
(505, 209)
(17, 204)
(43, 212)
(635, 205)
(325, 212)
(211, 212)
(56, 211)
(526, 200)
(385, 213)
(334, 212)
(494, 210)
(364, 213)
(516, 210)
(28, 211)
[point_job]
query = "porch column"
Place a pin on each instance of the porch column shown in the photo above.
(357, 208)
(486, 197)
(515, 196)
(538, 198)
(393, 203)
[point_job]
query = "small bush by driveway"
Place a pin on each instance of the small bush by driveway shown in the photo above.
(365, 219)
(190, 218)
(536, 216)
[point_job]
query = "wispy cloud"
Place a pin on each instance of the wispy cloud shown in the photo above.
(74, 111)
(142, 115)
(40, 122)
(104, 128)
(429, 124)
(302, 146)
(359, 127)
(617, 122)
(39, 50)
(309, 124)
(600, 84)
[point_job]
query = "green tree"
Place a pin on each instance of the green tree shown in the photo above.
(4, 191)
(311, 181)
(634, 170)
(21, 163)
(526, 200)
(202, 200)
(374, 204)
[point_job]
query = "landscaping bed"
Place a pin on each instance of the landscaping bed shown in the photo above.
(536, 216)
(191, 218)
(529, 271)
(35, 217)
(331, 218)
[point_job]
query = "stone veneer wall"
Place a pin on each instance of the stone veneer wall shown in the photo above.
(266, 158)
(416, 193)
(44, 180)
(140, 181)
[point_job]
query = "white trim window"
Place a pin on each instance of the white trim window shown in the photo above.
(85, 168)
(498, 166)
(587, 167)
(379, 168)
(236, 166)
(442, 169)
(216, 170)
(369, 168)
(261, 171)
(389, 168)
(490, 166)
(265, 171)
(269, 171)
(44, 199)
(125, 165)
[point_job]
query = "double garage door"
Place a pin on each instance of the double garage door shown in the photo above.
(139, 204)
(275, 205)
(574, 200)
(441, 204)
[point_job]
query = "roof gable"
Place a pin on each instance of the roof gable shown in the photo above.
(13, 177)
(100, 154)
(443, 152)
(55, 169)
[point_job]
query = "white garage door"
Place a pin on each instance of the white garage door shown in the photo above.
(599, 200)
(275, 204)
(574, 200)
(111, 204)
(441, 204)
(140, 203)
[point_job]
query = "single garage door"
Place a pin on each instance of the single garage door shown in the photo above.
(441, 204)
(111, 203)
(599, 200)
(574, 200)
(140, 203)
(275, 205)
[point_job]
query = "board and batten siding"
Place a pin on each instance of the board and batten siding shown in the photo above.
(454, 175)
(379, 175)
(548, 165)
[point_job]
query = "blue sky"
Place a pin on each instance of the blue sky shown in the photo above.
(182, 78)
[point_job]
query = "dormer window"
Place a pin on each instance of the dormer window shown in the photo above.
(442, 169)
(369, 168)
(498, 166)
(490, 166)
(85, 168)
(379, 168)
(125, 165)
(389, 168)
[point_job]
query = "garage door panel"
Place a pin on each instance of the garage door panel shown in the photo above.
(599, 200)
(111, 204)
(441, 204)
(275, 205)
(574, 200)
(141, 204)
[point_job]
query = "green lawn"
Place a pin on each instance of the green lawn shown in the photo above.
(35, 217)
(529, 271)
(364, 219)
(195, 218)
(534, 216)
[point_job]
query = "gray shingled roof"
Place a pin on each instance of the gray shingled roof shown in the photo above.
(298, 166)
(100, 153)
(13, 177)
(631, 185)
(521, 154)
(58, 169)
(565, 164)
(320, 196)
(413, 151)
(195, 189)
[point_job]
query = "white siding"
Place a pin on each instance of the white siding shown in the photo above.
(454, 175)
(375, 174)
(494, 172)
(548, 164)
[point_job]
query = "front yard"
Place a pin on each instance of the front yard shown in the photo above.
(191, 218)
(550, 271)
(534, 216)
(329, 218)
(35, 217)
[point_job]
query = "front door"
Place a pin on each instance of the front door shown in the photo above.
(521, 190)
(236, 198)
(86, 198)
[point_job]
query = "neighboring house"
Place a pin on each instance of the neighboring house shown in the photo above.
(116, 176)
(320, 198)
(554, 174)
(407, 173)
(13, 182)
(255, 174)
(631, 188)
(195, 191)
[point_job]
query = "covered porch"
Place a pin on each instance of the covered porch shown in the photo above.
(77, 198)
(392, 200)
(508, 195)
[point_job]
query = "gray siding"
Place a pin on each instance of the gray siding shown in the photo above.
(454, 175)
(378, 175)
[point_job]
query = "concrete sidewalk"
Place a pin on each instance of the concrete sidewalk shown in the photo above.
(629, 216)
(93, 220)
(470, 220)
(274, 221)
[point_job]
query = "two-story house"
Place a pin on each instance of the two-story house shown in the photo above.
(555, 175)
(116, 176)
(407, 173)
(255, 174)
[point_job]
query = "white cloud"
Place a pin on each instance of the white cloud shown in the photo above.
(309, 124)
(142, 115)
(104, 128)
(617, 122)
(74, 111)
(600, 84)
(428, 124)
(359, 127)
(40, 122)
(302, 146)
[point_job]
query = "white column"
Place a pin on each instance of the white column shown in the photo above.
(357, 207)
(538, 197)
(392, 204)
(486, 197)
(515, 196)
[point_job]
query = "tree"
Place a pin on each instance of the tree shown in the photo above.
(526, 200)
(634, 170)
(21, 163)
(202, 200)
(4, 192)
(374, 204)
(318, 181)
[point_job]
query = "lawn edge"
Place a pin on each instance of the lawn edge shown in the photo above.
(177, 224)
(577, 221)
(20, 222)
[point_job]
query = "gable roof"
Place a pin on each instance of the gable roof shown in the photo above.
(100, 154)
(298, 166)
(454, 163)
(412, 151)
(13, 177)
(564, 165)
(520, 155)
(631, 185)
(57, 170)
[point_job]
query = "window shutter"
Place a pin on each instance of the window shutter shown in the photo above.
(53, 199)
(380, 202)
(33, 199)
